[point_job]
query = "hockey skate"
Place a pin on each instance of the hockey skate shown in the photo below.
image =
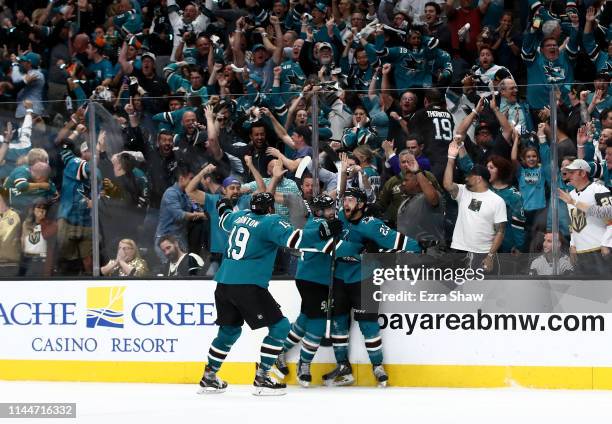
(342, 375)
(381, 376)
(304, 378)
(265, 385)
(280, 367)
(210, 383)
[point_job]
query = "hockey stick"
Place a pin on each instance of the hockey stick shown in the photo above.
(330, 292)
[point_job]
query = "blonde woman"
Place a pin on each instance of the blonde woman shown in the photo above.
(128, 262)
(365, 158)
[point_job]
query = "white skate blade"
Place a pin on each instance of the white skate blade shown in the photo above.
(266, 391)
(383, 384)
(209, 391)
(346, 380)
(303, 383)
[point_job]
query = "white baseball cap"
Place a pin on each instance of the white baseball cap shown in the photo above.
(578, 165)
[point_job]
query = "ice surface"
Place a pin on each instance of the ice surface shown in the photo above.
(177, 403)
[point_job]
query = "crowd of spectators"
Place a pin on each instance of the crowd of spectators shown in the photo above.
(439, 110)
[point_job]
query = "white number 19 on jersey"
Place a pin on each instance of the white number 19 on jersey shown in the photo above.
(238, 239)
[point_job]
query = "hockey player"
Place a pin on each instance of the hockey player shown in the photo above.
(362, 229)
(242, 285)
(312, 280)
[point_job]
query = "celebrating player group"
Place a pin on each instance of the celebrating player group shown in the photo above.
(331, 244)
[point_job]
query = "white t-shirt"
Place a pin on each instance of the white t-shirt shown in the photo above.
(478, 212)
(589, 233)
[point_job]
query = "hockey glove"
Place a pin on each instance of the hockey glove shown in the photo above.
(330, 228)
(223, 206)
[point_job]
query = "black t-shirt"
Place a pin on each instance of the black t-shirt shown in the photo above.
(155, 87)
(190, 264)
(435, 127)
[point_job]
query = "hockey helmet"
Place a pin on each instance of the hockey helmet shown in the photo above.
(261, 203)
(322, 201)
(357, 193)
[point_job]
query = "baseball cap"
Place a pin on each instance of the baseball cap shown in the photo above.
(578, 165)
(84, 147)
(502, 74)
(480, 171)
(31, 57)
(229, 181)
(257, 47)
(325, 45)
(149, 55)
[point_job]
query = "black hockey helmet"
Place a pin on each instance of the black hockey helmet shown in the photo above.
(357, 193)
(261, 203)
(322, 201)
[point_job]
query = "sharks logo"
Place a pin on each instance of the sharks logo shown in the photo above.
(413, 64)
(294, 80)
(554, 73)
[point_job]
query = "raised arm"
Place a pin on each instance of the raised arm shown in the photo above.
(277, 175)
(261, 185)
(373, 82)
(192, 191)
(213, 134)
(277, 56)
(290, 164)
(464, 125)
(506, 126)
(515, 146)
(431, 194)
(449, 185)
(235, 40)
(6, 140)
(280, 131)
(126, 66)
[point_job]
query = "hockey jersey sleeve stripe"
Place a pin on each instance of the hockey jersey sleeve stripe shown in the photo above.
(294, 239)
(222, 222)
(81, 173)
(597, 170)
(517, 223)
(328, 248)
(400, 241)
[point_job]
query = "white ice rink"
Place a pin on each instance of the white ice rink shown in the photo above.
(176, 404)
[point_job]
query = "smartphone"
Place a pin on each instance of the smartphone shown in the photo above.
(537, 22)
